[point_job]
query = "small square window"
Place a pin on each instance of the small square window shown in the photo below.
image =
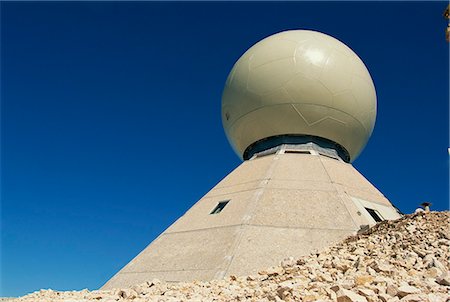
(375, 215)
(219, 207)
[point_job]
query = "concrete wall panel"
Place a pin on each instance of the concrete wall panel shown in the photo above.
(307, 209)
(248, 171)
(301, 185)
(199, 217)
(346, 175)
(195, 250)
(267, 246)
(300, 167)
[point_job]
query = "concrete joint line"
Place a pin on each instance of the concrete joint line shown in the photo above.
(257, 225)
(170, 270)
(241, 183)
(300, 228)
(235, 192)
(202, 229)
(249, 214)
(339, 194)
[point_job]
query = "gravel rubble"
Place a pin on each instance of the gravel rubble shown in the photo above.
(401, 260)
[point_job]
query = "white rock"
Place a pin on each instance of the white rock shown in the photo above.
(288, 262)
(344, 295)
(405, 290)
(444, 279)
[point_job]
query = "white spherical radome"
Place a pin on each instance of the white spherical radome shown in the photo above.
(299, 82)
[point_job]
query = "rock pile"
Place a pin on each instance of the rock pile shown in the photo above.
(402, 260)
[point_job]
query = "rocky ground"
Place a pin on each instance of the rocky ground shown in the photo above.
(403, 260)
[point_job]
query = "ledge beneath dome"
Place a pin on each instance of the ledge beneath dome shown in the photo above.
(296, 143)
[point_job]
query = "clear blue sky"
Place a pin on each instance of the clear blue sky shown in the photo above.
(111, 129)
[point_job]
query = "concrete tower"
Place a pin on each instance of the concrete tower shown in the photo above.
(298, 107)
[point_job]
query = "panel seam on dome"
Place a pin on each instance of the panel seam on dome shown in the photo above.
(266, 106)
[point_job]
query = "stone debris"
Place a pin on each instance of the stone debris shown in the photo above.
(402, 260)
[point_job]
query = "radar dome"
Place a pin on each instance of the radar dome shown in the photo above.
(299, 83)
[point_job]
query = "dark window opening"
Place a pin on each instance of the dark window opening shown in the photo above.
(219, 207)
(297, 151)
(329, 156)
(375, 215)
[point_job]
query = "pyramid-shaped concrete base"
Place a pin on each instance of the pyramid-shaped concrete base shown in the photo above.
(280, 205)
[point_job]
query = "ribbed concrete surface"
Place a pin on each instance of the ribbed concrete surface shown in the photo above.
(280, 205)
